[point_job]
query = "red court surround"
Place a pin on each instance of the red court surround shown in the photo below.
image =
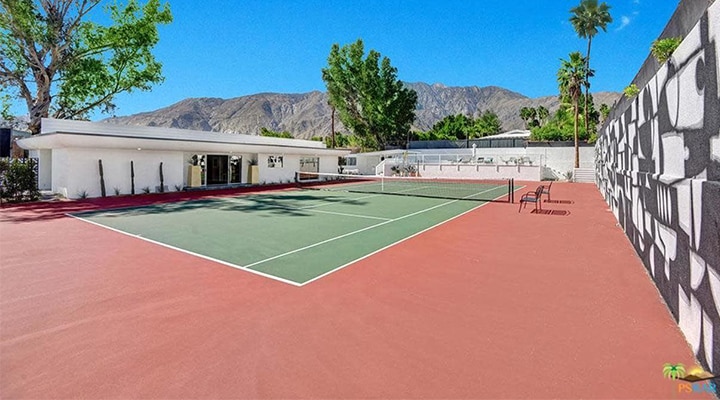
(494, 304)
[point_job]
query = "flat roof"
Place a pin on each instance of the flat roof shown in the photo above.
(73, 134)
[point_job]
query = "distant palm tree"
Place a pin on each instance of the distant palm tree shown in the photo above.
(586, 18)
(542, 114)
(525, 114)
(571, 78)
(673, 371)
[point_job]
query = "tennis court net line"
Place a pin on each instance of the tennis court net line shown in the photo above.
(434, 187)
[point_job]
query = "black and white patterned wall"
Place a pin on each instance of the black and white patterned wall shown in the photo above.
(658, 166)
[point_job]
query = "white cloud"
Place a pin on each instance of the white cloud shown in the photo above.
(624, 21)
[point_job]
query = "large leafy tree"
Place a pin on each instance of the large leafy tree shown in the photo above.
(586, 19)
(368, 97)
(61, 64)
(452, 127)
(571, 78)
(488, 123)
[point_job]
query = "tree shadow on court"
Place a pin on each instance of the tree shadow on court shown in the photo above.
(263, 204)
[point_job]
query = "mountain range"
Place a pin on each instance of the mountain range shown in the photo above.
(306, 115)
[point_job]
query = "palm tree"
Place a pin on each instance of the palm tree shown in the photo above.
(542, 114)
(586, 18)
(673, 371)
(525, 116)
(571, 78)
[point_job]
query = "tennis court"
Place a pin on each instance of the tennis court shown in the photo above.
(297, 236)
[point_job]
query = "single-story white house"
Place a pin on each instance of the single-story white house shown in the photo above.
(137, 159)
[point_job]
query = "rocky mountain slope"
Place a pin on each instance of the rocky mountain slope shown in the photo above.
(307, 114)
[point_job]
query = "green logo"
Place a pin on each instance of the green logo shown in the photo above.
(673, 371)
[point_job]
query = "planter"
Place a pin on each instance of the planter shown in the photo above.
(253, 176)
(194, 176)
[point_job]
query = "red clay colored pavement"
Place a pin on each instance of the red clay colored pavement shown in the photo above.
(494, 304)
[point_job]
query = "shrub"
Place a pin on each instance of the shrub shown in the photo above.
(18, 180)
(631, 91)
(662, 49)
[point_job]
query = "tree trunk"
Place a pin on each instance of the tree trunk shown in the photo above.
(587, 86)
(577, 148)
(39, 106)
(39, 110)
(332, 127)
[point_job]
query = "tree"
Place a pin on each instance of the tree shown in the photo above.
(269, 133)
(604, 111)
(571, 78)
(452, 127)
(61, 64)
(542, 115)
(526, 114)
(586, 18)
(488, 123)
(368, 97)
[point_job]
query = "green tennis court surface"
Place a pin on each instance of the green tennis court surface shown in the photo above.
(293, 236)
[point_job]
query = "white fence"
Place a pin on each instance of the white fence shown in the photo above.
(461, 166)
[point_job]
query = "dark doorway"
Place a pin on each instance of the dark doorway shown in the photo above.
(217, 172)
(235, 169)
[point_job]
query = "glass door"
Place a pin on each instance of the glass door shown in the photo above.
(217, 170)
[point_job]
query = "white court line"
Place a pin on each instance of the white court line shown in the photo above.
(350, 215)
(231, 265)
(333, 204)
(279, 279)
(281, 207)
(399, 241)
(356, 231)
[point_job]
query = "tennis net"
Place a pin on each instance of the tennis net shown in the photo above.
(444, 188)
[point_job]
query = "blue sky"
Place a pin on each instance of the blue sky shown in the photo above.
(230, 48)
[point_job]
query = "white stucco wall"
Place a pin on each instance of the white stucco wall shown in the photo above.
(479, 171)
(556, 160)
(329, 164)
(75, 171)
(44, 158)
(278, 173)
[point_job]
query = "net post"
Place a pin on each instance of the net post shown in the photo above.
(511, 192)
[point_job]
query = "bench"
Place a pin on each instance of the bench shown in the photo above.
(532, 197)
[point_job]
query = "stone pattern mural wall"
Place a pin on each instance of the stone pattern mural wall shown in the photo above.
(658, 167)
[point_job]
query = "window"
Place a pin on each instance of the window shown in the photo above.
(275, 161)
(310, 164)
(351, 161)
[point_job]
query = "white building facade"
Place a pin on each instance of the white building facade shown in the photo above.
(139, 159)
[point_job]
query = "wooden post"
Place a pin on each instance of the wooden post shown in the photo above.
(162, 180)
(132, 178)
(102, 179)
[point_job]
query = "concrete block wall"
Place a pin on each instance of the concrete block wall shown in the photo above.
(658, 167)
